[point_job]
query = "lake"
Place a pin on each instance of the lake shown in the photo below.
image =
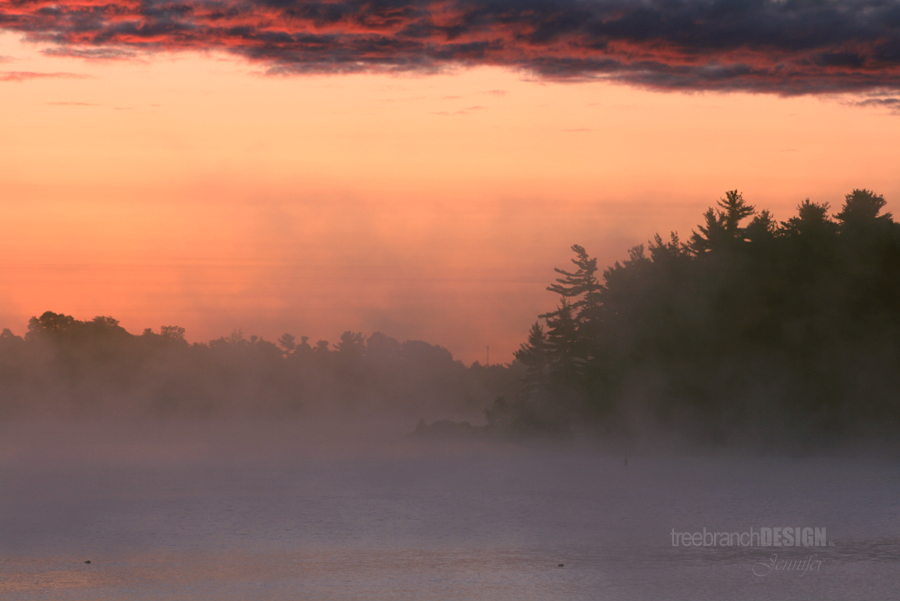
(287, 512)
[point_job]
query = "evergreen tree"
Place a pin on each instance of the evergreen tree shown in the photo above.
(565, 345)
(862, 207)
(288, 342)
(535, 356)
(721, 227)
(581, 286)
(812, 221)
(762, 326)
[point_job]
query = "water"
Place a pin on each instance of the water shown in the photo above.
(277, 512)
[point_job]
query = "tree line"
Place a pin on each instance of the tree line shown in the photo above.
(64, 366)
(751, 329)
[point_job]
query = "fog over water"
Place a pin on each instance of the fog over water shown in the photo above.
(752, 370)
(328, 510)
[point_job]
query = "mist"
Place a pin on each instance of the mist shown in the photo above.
(65, 367)
(676, 432)
(224, 510)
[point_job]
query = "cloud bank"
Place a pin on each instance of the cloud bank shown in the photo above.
(785, 47)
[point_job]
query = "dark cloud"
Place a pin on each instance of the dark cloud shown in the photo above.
(777, 46)
(91, 53)
(889, 103)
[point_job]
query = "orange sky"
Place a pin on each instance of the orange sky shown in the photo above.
(191, 189)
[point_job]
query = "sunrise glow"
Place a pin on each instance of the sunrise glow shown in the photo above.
(195, 187)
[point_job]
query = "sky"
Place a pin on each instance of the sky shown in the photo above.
(414, 168)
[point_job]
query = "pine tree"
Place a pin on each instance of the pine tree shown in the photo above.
(861, 206)
(722, 225)
(535, 356)
(565, 344)
(581, 285)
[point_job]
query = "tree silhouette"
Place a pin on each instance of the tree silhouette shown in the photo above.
(721, 226)
(745, 331)
(535, 355)
(581, 286)
(95, 367)
(861, 207)
(288, 343)
(812, 220)
(50, 324)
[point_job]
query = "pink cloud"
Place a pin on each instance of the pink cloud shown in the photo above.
(776, 47)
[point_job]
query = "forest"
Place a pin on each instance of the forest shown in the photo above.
(749, 331)
(70, 368)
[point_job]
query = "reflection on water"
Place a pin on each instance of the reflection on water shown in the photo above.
(282, 515)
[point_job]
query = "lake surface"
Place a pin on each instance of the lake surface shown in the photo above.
(283, 512)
